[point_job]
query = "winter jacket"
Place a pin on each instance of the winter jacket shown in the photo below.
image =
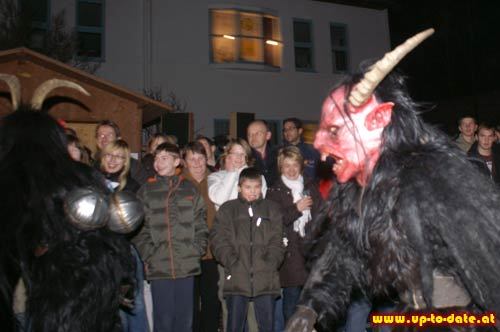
(223, 186)
(174, 235)
(293, 270)
(476, 159)
(249, 247)
(203, 190)
(268, 165)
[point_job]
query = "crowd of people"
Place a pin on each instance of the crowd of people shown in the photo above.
(258, 236)
(245, 278)
(224, 237)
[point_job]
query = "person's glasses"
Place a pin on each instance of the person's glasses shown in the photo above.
(110, 156)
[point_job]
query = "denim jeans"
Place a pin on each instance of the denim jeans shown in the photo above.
(290, 298)
(135, 320)
(279, 321)
(237, 308)
(358, 313)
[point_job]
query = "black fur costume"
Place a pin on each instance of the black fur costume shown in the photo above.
(73, 278)
(425, 207)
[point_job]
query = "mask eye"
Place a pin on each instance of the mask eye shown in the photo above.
(333, 131)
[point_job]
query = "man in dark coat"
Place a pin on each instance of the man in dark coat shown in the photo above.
(258, 136)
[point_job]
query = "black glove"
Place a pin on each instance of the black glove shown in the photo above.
(302, 320)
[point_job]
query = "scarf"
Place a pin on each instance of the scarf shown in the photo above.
(297, 188)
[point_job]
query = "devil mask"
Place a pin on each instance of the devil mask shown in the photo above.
(352, 122)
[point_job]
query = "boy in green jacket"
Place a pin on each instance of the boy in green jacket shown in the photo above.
(172, 241)
(247, 239)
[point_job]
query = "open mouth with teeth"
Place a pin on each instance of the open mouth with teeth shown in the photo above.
(339, 163)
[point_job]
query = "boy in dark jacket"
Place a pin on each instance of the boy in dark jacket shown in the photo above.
(172, 241)
(247, 239)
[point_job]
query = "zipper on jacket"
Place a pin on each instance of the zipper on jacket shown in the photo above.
(171, 190)
(250, 210)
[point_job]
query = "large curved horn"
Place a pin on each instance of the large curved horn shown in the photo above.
(43, 90)
(363, 90)
(15, 88)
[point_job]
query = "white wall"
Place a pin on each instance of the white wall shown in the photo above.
(180, 56)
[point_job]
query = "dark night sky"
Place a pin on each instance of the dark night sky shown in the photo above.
(462, 59)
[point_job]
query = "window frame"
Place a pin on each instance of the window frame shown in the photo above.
(96, 30)
(277, 134)
(44, 26)
(238, 63)
(220, 120)
(309, 45)
(334, 48)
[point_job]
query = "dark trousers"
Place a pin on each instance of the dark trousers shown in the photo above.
(291, 297)
(237, 308)
(207, 307)
(172, 304)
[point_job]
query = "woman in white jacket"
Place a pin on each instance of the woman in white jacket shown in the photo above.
(223, 185)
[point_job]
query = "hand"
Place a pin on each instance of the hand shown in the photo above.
(302, 320)
(125, 298)
(304, 203)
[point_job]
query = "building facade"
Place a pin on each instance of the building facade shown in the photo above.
(274, 58)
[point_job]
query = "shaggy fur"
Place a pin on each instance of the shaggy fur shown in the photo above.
(425, 207)
(75, 284)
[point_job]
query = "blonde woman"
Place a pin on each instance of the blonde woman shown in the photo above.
(299, 200)
(115, 166)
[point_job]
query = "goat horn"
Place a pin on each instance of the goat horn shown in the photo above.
(363, 90)
(43, 90)
(15, 88)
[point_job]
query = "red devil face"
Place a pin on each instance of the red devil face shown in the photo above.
(353, 140)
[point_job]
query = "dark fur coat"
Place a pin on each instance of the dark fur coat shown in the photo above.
(426, 207)
(73, 278)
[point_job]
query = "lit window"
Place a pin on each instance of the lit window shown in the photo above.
(338, 40)
(245, 37)
(303, 45)
(90, 28)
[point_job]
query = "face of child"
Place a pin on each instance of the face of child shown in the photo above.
(250, 189)
(166, 163)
